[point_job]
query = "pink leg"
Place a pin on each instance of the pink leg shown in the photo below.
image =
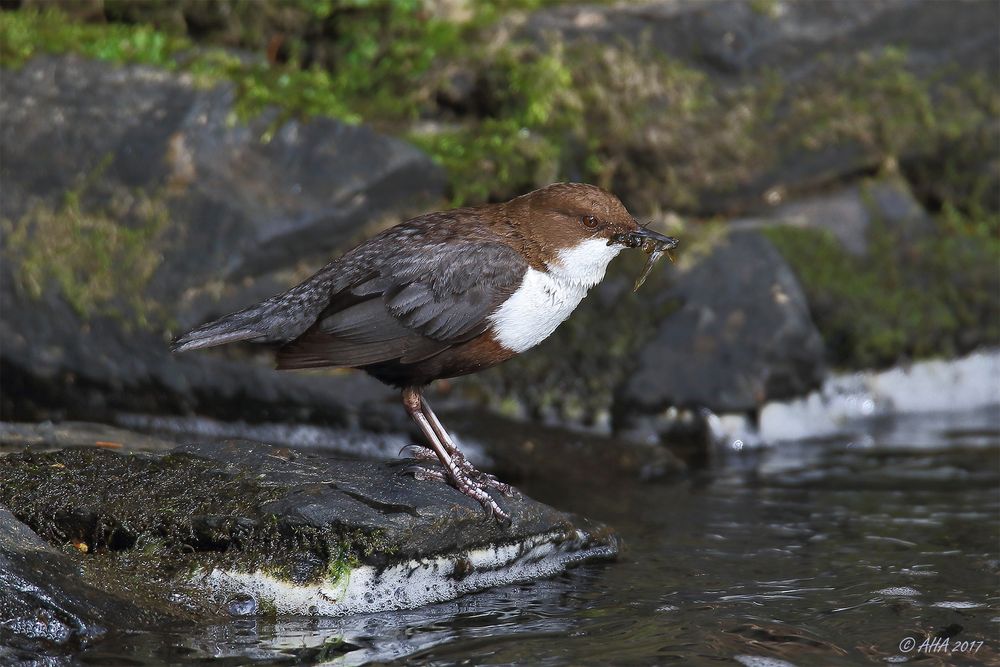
(483, 478)
(413, 402)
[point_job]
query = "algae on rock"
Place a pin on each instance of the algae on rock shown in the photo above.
(100, 259)
(907, 298)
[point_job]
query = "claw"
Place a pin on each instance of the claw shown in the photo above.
(468, 485)
(473, 475)
(474, 489)
(422, 473)
(494, 511)
(417, 451)
(506, 489)
(457, 471)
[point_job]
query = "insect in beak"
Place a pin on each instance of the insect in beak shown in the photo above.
(652, 243)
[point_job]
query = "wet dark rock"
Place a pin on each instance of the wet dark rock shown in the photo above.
(223, 217)
(46, 603)
(848, 213)
(294, 532)
(742, 336)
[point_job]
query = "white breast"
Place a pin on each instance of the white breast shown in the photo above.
(546, 298)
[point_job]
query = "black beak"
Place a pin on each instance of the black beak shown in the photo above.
(665, 242)
(641, 236)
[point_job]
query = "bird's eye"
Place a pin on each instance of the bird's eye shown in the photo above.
(590, 222)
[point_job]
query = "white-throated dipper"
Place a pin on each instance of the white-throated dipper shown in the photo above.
(445, 294)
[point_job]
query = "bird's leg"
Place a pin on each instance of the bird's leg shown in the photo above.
(425, 454)
(483, 478)
(413, 403)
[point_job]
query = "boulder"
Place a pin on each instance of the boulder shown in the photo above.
(253, 529)
(728, 106)
(742, 336)
(849, 212)
(136, 204)
(244, 197)
(730, 38)
(47, 605)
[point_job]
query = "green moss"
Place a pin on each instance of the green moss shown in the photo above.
(660, 132)
(100, 260)
(24, 34)
(664, 133)
(340, 567)
(768, 8)
(535, 111)
(879, 103)
(906, 299)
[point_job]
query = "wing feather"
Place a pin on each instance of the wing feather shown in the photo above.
(413, 307)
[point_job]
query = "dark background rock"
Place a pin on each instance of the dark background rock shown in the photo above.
(742, 336)
(241, 210)
(805, 46)
(45, 602)
(848, 214)
(241, 204)
(730, 38)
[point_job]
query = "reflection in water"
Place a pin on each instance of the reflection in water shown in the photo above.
(830, 553)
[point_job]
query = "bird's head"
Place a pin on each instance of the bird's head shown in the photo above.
(578, 228)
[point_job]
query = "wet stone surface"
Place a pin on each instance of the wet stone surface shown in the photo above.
(45, 602)
(238, 528)
(195, 216)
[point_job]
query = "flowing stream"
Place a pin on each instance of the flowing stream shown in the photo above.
(878, 547)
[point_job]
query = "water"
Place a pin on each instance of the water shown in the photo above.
(833, 552)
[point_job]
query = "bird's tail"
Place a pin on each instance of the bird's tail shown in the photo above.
(279, 319)
(241, 325)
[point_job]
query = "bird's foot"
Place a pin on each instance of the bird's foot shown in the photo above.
(462, 475)
(425, 455)
(464, 483)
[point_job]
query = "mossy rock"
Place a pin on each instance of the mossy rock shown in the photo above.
(907, 298)
(237, 517)
(656, 103)
(135, 204)
(888, 280)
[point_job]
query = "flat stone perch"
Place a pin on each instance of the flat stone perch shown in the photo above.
(250, 529)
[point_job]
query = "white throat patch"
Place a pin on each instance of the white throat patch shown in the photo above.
(546, 298)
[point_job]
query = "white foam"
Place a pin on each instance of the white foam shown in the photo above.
(957, 385)
(957, 605)
(761, 661)
(367, 589)
(899, 591)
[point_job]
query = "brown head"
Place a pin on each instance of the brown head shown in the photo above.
(565, 217)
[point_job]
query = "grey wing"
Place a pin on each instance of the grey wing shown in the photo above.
(411, 307)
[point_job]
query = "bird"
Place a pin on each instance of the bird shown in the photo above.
(442, 295)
